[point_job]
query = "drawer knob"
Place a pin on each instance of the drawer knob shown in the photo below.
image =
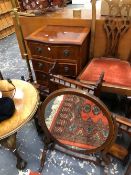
(66, 53)
(39, 49)
(40, 65)
(66, 68)
(43, 76)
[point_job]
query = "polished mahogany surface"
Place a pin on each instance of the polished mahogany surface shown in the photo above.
(66, 45)
(26, 101)
(60, 34)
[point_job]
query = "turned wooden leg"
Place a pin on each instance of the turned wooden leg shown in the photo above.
(38, 127)
(43, 158)
(105, 158)
(21, 164)
(129, 148)
(48, 144)
(10, 143)
(128, 107)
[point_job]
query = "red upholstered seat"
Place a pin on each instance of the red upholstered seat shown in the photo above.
(116, 72)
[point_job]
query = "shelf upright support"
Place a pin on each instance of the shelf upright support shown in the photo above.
(93, 29)
(25, 53)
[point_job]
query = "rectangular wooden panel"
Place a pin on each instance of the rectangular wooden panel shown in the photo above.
(6, 32)
(6, 21)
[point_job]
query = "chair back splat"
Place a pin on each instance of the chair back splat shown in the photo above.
(116, 25)
(93, 29)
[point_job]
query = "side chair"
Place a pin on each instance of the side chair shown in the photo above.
(117, 70)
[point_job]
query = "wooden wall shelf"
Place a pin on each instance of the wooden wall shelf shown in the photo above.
(2, 13)
(6, 22)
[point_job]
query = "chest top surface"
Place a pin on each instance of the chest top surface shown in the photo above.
(60, 35)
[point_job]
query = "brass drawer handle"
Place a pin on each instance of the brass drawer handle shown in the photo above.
(40, 65)
(66, 69)
(66, 53)
(39, 49)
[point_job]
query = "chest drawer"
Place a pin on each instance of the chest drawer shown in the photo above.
(41, 50)
(67, 52)
(42, 65)
(41, 78)
(67, 45)
(63, 68)
(67, 69)
(54, 51)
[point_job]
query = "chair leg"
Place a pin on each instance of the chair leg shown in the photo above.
(38, 127)
(10, 143)
(128, 107)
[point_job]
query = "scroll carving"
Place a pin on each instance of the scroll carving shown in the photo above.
(115, 27)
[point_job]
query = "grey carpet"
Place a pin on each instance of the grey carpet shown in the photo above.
(28, 142)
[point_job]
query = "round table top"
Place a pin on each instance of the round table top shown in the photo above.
(26, 101)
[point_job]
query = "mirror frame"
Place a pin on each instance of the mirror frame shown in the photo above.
(51, 139)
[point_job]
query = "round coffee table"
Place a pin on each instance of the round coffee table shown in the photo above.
(26, 101)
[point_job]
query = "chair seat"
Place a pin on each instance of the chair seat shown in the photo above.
(116, 72)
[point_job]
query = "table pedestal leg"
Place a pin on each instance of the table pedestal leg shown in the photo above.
(10, 143)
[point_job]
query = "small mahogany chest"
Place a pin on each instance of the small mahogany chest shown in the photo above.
(65, 44)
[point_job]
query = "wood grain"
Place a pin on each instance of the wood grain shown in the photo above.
(26, 101)
(65, 18)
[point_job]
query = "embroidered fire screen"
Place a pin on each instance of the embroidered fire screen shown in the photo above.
(77, 122)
